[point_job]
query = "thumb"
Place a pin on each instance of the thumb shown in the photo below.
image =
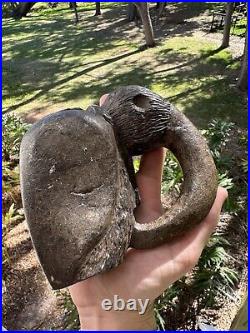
(103, 99)
(209, 224)
(149, 176)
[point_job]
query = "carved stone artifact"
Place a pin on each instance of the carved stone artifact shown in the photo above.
(78, 182)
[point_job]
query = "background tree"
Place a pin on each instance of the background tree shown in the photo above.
(132, 12)
(97, 9)
(73, 5)
(227, 24)
(143, 9)
(161, 6)
(242, 82)
(22, 9)
(8, 8)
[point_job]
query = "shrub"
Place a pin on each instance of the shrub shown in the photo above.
(13, 131)
(212, 276)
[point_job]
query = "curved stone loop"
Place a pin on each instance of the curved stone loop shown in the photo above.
(142, 121)
(76, 176)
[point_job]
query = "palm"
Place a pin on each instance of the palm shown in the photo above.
(144, 274)
(147, 273)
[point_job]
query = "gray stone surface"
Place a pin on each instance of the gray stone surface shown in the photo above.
(77, 197)
(142, 121)
(78, 184)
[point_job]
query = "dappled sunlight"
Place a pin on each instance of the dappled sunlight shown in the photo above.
(51, 63)
(75, 66)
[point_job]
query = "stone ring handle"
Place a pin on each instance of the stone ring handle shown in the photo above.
(78, 182)
(142, 121)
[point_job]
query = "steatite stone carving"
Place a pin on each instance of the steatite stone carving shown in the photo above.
(78, 183)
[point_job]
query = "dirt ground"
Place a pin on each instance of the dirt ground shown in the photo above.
(30, 304)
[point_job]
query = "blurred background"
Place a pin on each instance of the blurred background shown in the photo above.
(68, 54)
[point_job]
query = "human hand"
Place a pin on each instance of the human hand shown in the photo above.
(144, 274)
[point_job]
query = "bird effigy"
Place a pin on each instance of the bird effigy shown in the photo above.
(78, 182)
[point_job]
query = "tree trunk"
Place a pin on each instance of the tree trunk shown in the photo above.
(22, 10)
(227, 25)
(132, 12)
(143, 9)
(8, 8)
(97, 9)
(242, 82)
(161, 8)
(74, 7)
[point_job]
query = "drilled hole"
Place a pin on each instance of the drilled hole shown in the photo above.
(141, 101)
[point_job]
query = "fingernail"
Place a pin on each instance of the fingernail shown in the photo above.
(103, 99)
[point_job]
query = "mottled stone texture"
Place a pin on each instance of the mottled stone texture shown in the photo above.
(78, 183)
(77, 197)
(143, 121)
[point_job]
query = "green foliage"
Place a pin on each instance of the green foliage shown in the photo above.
(225, 181)
(10, 176)
(243, 139)
(222, 58)
(240, 28)
(71, 315)
(136, 163)
(166, 300)
(189, 71)
(160, 321)
(217, 134)
(11, 216)
(244, 165)
(172, 174)
(8, 7)
(13, 131)
(56, 8)
(213, 276)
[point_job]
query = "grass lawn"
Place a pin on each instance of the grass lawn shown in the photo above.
(240, 27)
(49, 63)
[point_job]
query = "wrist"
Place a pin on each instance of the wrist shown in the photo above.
(96, 318)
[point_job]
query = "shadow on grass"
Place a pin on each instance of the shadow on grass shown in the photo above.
(47, 50)
(202, 85)
(52, 52)
(54, 84)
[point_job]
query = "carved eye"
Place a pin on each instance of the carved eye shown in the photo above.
(141, 101)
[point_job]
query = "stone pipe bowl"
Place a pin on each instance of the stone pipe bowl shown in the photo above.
(78, 183)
